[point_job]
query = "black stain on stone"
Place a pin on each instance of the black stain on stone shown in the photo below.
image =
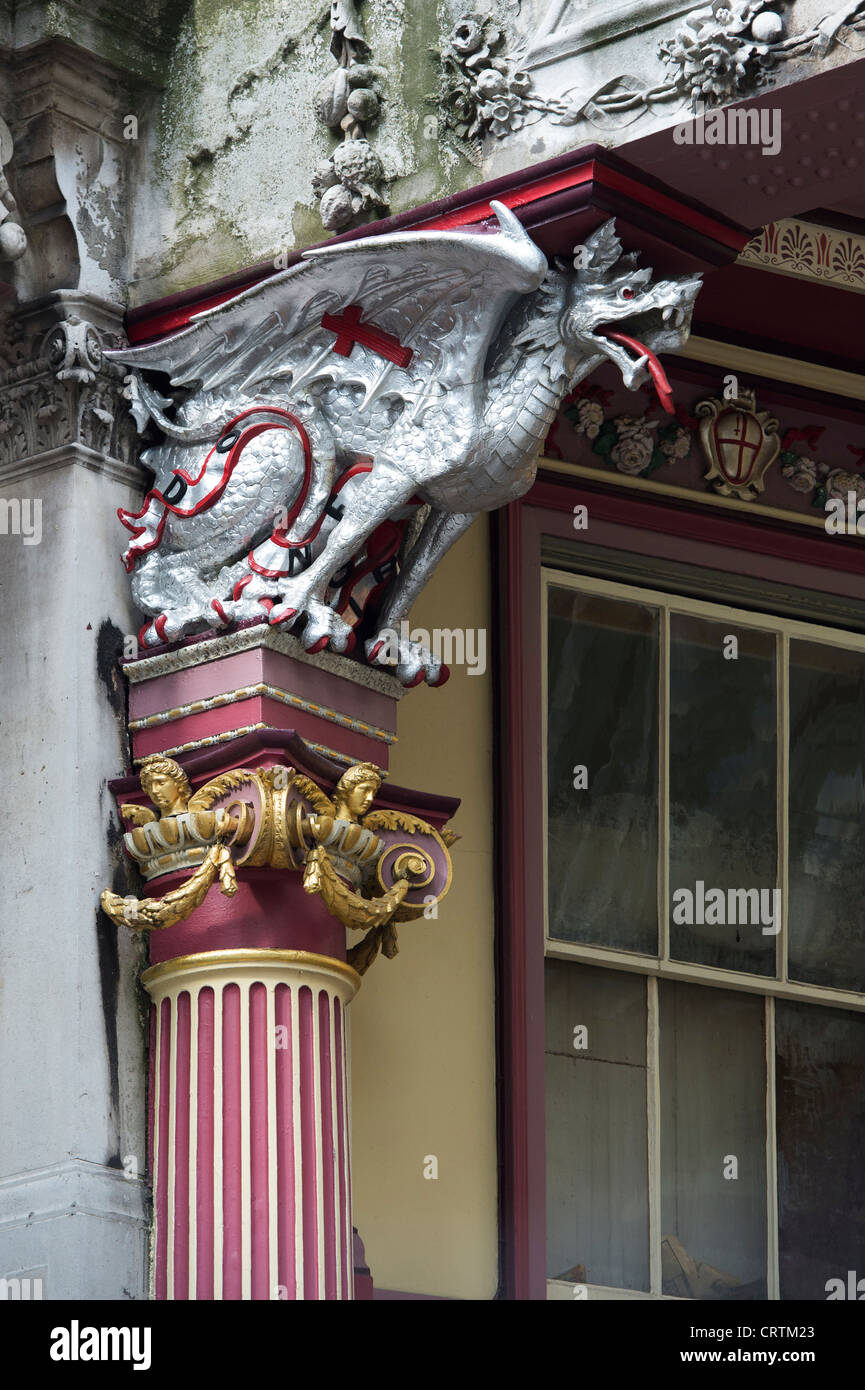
(109, 971)
(109, 653)
(109, 979)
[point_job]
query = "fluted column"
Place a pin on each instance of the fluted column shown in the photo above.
(249, 1126)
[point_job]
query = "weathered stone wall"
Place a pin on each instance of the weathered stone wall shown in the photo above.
(230, 149)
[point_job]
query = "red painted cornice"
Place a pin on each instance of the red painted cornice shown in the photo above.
(558, 201)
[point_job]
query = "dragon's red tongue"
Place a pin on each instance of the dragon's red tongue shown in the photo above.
(659, 376)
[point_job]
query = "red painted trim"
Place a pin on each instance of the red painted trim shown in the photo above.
(781, 540)
(673, 208)
(595, 172)
(519, 948)
(531, 192)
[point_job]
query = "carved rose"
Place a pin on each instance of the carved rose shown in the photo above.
(590, 418)
(503, 115)
(839, 483)
(467, 36)
(633, 452)
(801, 474)
(679, 447)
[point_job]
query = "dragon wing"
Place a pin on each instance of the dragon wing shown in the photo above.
(406, 315)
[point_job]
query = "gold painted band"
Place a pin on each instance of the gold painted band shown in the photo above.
(247, 958)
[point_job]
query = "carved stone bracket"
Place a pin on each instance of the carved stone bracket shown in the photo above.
(57, 389)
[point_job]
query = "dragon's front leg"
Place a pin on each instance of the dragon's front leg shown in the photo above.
(412, 661)
(385, 490)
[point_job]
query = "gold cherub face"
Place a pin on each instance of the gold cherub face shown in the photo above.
(166, 784)
(356, 791)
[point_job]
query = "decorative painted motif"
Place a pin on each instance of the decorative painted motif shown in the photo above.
(349, 183)
(739, 443)
(321, 409)
(809, 252)
(371, 868)
(639, 446)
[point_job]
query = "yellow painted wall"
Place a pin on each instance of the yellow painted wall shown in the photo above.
(423, 1024)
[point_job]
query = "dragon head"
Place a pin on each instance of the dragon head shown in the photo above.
(614, 311)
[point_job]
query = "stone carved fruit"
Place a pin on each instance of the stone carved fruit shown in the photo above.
(336, 208)
(330, 102)
(363, 104)
(357, 164)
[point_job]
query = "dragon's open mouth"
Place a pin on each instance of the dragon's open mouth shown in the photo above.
(667, 322)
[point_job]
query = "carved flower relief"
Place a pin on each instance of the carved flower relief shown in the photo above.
(801, 473)
(720, 52)
(484, 94)
(678, 447)
(633, 452)
(590, 417)
(839, 482)
(473, 38)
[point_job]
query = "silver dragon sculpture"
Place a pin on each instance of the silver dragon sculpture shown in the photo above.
(326, 436)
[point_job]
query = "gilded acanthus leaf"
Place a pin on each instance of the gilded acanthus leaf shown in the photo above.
(348, 907)
(138, 815)
(313, 793)
(203, 799)
(396, 820)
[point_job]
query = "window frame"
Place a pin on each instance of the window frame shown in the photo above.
(829, 577)
(784, 630)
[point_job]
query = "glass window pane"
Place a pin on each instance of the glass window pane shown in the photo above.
(723, 796)
(821, 1138)
(827, 814)
(597, 1161)
(713, 1142)
(603, 713)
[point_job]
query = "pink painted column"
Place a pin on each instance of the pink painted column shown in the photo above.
(249, 1075)
(250, 1127)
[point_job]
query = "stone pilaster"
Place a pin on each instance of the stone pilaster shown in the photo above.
(74, 1205)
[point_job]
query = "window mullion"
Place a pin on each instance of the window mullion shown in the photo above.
(772, 1270)
(664, 782)
(653, 1130)
(783, 799)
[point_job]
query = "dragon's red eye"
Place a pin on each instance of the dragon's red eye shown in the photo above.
(628, 294)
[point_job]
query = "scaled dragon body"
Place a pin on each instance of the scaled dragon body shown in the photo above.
(312, 416)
